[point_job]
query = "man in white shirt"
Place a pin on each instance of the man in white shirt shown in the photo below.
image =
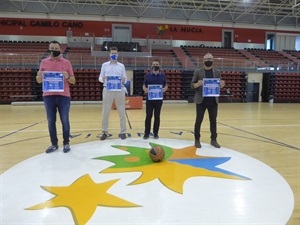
(113, 76)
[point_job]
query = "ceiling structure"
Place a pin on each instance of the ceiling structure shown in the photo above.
(284, 13)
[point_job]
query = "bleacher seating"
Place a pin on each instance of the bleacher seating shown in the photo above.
(272, 58)
(293, 53)
(23, 54)
(19, 47)
(17, 85)
(20, 53)
(168, 58)
(223, 57)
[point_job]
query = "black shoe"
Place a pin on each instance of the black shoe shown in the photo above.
(215, 144)
(197, 144)
(146, 137)
(52, 148)
(122, 136)
(66, 148)
(103, 136)
(156, 136)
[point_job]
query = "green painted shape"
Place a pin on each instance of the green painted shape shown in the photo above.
(137, 156)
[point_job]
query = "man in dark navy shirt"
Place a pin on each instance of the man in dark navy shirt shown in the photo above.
(155, 101)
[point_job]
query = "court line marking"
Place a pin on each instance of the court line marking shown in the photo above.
(265, 139)
(162, 128)
(130, 127)
(21, 129)
(257, 135)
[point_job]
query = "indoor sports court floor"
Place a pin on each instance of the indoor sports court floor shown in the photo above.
(253, 179)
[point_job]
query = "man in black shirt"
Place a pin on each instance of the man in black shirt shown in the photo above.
(203, 103)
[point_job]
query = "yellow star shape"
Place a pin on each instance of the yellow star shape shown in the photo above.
(82, 198)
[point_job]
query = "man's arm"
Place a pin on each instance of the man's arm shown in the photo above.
(165, 85)
(222, 82)
(102, 75)
(124, 76)
(38, 77)
(70, 75)
(145, 84)
(165, 88)
(71, 79)
(196, 82)
(145, 89)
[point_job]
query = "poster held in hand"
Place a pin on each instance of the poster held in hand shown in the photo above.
(211, 87)
(155, 92)
(113, 83)
(53, 81)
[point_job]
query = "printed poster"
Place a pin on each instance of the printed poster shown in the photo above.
(113, 83)
(53, 81)
(211, 87)
(155, 92)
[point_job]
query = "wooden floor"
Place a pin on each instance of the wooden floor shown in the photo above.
(265, 131)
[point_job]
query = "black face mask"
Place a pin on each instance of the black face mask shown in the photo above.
(208, 63)
(155, 68)
(55, 53)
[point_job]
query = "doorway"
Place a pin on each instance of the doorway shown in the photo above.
(121, 32)
(227, 38)
(270, 42)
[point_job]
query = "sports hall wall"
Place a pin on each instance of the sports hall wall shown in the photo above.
(103, 29)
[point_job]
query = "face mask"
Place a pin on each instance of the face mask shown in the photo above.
(208, 63)
(155, 68)
(55, 53)
(113, 57)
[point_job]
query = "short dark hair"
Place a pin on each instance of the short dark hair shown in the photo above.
(113, 48)
(54, 42)
(155, 60)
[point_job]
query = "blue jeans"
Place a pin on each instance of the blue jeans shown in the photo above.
(62, 104)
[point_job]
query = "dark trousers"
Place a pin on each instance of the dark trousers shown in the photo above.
(212, 109)
(153, 106)
(54, 103)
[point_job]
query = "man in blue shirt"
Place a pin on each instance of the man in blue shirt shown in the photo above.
(154, 103)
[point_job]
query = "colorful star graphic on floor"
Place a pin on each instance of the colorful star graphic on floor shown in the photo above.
(178, 165)
(83, 196)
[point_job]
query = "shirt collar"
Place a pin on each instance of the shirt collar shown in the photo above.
(110, 62)
(57, 59)
(155, 74)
